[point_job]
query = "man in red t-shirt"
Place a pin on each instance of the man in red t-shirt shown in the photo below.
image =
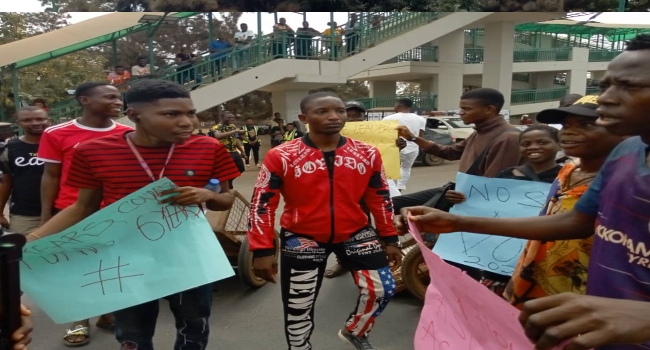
(165, 118)
(101, 102)
(119, 77)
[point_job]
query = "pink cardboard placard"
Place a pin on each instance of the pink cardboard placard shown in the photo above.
(461, 314)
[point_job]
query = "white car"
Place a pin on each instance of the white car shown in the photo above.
(451, 125)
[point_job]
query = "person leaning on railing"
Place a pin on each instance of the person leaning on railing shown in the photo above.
(219, 50)
(282, 36)
(304, 41)
(243, 40)
(352, 34)
(373, 34)
(338, 40)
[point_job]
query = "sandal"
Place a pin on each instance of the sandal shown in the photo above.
(77, 331)
(335, 271)
(106, 322)
(105, 326)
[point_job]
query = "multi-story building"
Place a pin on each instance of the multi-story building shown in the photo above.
(533, 64)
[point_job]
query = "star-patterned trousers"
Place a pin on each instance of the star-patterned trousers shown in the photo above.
(303, 263)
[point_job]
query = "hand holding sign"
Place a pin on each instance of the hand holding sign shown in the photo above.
(426, 219)
(186, 195)
(460, 313)
(585, 322)
(492, 198)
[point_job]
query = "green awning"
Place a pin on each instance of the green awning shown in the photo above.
(612, 34)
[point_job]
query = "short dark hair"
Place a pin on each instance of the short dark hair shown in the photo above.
(40, 100)
(119, 66)
(569, 99)
(406, 102)
(490, 97)
(639, 42)
(551, 131)
(320, 94)
(141, 58)
(85, 89)
(152, 90)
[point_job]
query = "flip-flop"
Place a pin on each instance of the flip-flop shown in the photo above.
(78, 330)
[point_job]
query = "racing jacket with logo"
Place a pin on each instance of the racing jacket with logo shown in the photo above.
(322, 193)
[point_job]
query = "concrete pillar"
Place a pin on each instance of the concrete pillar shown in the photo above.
(448, 84)
(429, 86)
(451, 47)
(577, 77)
(497, 53)
(543, 80)
(382, 88)
(288, 103)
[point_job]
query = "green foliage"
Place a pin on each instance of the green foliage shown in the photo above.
(408, 89)
(48, 80)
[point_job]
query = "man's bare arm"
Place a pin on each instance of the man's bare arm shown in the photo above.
(5, 192)
(571, 225)
(50, 183)
(223, 135)
(88, 202)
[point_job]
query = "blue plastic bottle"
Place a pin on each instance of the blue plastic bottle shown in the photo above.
(214, 185)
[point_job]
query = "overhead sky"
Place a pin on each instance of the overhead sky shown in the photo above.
(317, 20)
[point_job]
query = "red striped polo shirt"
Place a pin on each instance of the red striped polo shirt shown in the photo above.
(108, 163)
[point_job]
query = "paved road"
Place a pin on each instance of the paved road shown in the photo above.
(247, 319)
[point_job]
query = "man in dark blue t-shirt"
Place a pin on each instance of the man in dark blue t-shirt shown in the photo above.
(219, 50)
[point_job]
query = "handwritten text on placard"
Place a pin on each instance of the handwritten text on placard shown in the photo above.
(497, 198)
(381, 134)
(133, 251)
(461, 314)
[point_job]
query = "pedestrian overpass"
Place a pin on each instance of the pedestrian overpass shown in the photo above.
(271, 63)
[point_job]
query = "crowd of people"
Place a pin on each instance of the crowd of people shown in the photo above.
(582, 278)
(234, 50)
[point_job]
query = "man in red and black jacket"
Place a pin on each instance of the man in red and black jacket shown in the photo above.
(323, 177)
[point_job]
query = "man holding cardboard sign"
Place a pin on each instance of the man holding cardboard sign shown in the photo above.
(113, 167)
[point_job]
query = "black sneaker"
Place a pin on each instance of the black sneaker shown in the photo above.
(358, 343)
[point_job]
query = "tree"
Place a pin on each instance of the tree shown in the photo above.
(186, 5)
(50, 79)
(408, 89)
(191, 32)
